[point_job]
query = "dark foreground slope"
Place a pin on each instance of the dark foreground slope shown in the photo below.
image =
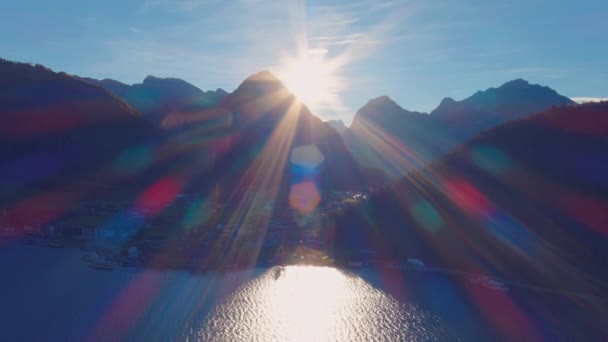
(526, 201)
(58, 130)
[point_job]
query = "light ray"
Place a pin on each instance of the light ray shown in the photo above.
(250, 219)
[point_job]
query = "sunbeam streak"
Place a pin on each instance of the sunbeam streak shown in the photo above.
(250, 219)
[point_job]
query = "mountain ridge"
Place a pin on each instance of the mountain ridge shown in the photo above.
(156, 97)
(414, 138)
(261, 105)
(517, 90)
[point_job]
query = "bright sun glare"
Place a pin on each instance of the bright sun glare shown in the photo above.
(313, 79)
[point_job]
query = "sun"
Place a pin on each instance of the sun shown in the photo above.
(312, 78)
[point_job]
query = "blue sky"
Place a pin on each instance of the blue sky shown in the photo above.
(417, 52)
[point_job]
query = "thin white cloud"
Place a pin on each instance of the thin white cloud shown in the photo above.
(318, 51)
(588, 99)
(324, 38)
(354, 41)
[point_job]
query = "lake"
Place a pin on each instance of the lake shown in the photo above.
(52, 295)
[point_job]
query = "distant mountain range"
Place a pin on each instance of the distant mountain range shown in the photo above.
(260, 136)
(385, 139)
(386, 136)
(156, 98)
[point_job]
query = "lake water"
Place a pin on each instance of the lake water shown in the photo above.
(51, 295)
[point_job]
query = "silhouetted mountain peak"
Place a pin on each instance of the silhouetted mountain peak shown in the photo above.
(447, 101)
(516, 83)
(221, 91)
(513, 90)
(517, 98)
(257, 109)
(338, 125)
(169, 82)
(382, 105)
(448, 104)
(151, 78)
(263, 79)
(109, 83)
(262, 76)
(383, 100)
(262, 88)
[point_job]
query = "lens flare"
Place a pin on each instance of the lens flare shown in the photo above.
(307, 156)
(426, 215)
(304, 197)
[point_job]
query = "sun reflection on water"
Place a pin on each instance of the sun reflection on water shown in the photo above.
(306, 303)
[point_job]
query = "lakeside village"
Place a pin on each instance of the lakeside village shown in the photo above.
(201, 240)
(189, 233)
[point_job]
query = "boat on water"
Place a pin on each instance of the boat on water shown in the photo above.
(94, 260)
